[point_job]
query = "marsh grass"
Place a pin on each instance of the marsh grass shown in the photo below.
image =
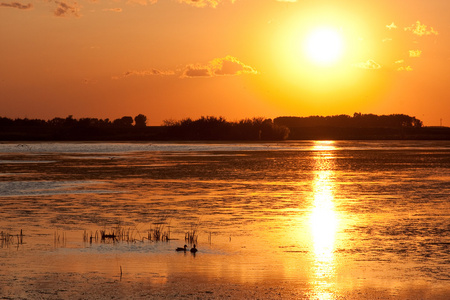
(59, 239)
(115, 234)
(7, 239)
(159, 233)
(120, 234)
(191, 236)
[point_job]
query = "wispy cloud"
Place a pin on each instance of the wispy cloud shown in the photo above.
(152, 72)
(116, 9)
(368, 65)
(415, 53)
(204, 3)
(400, 61)
(64, 9)
(17, 5)
(407, 69)
(226, 66)
(143, 2)
(391, 26)
(421, 29)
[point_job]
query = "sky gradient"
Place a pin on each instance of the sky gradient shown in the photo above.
(172, 59)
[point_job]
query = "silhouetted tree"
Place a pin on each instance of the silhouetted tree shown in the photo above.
(357, 121)
(123, 122)
(140, 121)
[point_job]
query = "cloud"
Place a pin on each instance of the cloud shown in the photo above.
(142, 2)
(204, 3)
(421, 29)
(151, 72)
(65, 9)
(17, 5)
(400, 61)
(415, 53)
(226, 66)
(368, 65)
(391, 26)
(117, 9)
(196, 71)
(407, 69)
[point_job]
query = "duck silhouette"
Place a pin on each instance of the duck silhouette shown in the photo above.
(193, 249)
(181, 249)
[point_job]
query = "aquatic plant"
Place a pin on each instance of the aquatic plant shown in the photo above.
(192, 235)
(158, 233)
(92, 237)
(7, 239)
(119, 233)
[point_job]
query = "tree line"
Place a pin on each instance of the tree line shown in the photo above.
(358, 120)
(213, 128)
(139, 121)
(127, 128)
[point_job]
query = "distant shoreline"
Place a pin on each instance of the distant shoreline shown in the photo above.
(339, 127)
(159, 133)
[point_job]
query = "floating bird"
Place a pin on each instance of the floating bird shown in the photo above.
(182, 249)
(193, 249)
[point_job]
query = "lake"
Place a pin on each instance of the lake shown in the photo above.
(290, 220)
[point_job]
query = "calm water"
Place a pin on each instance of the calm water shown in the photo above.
(324, 216)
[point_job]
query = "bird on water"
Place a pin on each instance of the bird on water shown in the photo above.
(181, 249)
(193, 249)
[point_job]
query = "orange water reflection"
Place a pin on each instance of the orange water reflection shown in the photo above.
(323, 220)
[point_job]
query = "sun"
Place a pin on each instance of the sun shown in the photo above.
(324, 46)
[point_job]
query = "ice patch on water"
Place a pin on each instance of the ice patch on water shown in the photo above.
(4, 161)
(40, 188)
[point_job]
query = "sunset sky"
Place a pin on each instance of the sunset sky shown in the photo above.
(172, 59)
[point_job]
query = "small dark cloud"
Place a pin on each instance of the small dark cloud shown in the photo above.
(17, 5)
(152, 72)
(116, 9)
(64, 9)
(197, 71)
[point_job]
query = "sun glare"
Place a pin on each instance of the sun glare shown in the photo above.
(324, 46)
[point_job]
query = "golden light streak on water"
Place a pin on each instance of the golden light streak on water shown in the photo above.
(323, 220)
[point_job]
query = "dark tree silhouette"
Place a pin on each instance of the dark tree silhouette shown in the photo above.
(140, 121)
(212, 128)
(358, 120)
(123, 122)
(358, 126)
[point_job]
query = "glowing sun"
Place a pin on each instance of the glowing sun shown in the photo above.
(324, 46)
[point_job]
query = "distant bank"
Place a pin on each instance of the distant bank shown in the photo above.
(340, 127)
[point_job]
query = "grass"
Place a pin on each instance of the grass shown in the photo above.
(115, 234)
(158, 232)
(7, 239)
(191, 236)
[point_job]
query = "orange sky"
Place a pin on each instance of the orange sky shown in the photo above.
(172, 59)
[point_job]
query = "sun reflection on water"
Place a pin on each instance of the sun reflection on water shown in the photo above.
(323, 219)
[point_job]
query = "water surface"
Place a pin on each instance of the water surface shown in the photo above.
(321, 219)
